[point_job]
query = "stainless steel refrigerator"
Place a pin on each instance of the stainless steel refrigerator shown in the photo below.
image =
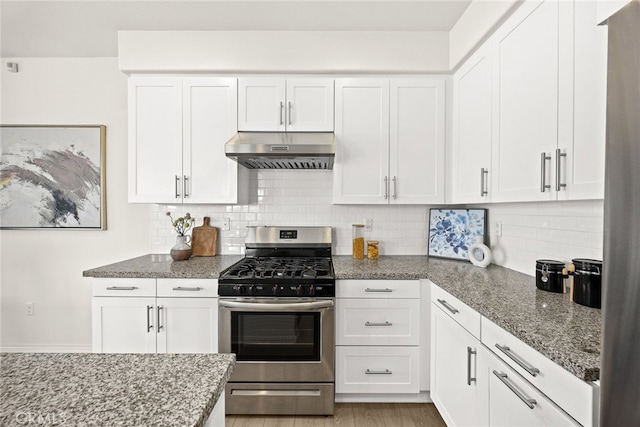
(620, 370)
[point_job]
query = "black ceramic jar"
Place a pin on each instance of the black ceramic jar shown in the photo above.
(587, 282)
(549, 275)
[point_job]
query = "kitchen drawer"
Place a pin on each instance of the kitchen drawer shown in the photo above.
(514, 402)
(188, 288)
(381, 289)
(565, 389)
(377, 322)
(124, 287)
(467, 317)
(377, 369)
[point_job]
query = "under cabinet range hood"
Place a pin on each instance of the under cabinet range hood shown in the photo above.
(282, 150)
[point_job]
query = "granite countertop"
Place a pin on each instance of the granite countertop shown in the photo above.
(94, 389)
(565, 332)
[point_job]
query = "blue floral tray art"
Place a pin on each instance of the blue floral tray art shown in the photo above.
(453, 231)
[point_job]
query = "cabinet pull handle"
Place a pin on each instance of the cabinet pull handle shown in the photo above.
(483, 188)
(559, 155)
(290, 123)
(448, 306)
(159, 317)
(122, 288)
(182, 288)
(503, 377)
(185, 186)
(378, 290)
(524, 365)
(177, 184)
(281, 111)
(378, 324)
(385, 372)
(543, 172)
(470, 352)
(386, 187)
(149, 325)
(395, 189)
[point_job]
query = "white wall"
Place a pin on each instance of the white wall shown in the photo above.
(45, 266)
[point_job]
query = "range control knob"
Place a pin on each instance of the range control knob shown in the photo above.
(312, 290)
(252, 290)
(242, 290)
(275, 289)
(299, 290)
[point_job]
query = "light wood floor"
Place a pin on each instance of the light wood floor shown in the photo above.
(351, 415)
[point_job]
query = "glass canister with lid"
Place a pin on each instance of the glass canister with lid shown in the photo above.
(358, 241)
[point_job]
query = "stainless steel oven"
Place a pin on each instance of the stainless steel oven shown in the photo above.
(276, 313)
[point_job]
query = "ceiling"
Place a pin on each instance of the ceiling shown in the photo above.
(88, 28)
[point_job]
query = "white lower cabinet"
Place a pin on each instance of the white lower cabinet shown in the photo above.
(135, 316)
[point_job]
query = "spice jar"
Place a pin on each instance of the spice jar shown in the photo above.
(358, 241)
(372, 249)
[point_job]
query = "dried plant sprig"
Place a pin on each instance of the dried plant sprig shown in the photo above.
(182, 224)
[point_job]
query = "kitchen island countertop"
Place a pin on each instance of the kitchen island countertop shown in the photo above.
(94, 389)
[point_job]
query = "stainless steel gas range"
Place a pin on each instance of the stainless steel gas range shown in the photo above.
(276, 313)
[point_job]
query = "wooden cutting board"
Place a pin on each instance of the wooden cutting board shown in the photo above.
(204, 239)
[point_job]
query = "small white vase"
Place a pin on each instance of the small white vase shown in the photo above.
(181, 250)
(479, 253)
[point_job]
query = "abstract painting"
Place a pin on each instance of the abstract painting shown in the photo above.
(52, 177)
(453, 231)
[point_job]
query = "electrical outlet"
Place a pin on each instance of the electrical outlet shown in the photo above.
(226, 225)
(368, 224)
(29, 309)
(498, 231)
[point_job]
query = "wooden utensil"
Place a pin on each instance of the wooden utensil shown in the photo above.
(571, 268)
(204, 239)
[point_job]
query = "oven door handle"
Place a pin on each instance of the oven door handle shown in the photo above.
(266, 306)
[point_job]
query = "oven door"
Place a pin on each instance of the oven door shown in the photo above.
(278, 339)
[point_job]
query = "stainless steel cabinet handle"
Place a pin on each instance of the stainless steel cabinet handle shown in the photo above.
(559, 155)
(448, 306)
(181, 288)
(503, 377)
(483, 188)
(395, 189)
(149, 325)
(177, 182)
(385, 372)
(159, 317)
(290, 123)
(470, 352)
(524, 365)
(185, 185)
(122, 288)
(543, 172)
(378, 324)
(378, 290)
(386, 187)
(281, 112)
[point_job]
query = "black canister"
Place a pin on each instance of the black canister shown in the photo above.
(549, 275)
(587, 282)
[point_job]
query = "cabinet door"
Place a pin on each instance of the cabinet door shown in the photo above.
(155, 139)
(360, 171)
(530, 72)
(459, 384)
(309, 105)
(417, 144)
(472, 130)
(261, 104)
(123, 325)
(210, 115)
(582, 170)
(187, 325)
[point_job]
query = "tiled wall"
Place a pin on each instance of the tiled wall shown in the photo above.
(530, 231)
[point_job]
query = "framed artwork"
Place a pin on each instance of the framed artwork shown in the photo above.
(453, 231)
(53, 177)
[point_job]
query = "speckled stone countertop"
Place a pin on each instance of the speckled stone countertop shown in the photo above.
(94, 389)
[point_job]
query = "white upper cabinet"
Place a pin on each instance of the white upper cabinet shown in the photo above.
(177, 131)
(472, 130)
(277, 104)
(389, 141)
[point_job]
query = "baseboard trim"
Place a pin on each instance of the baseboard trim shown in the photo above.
(45, 349)
(422, 397)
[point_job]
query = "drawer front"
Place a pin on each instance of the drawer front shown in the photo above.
(377, 322)
(467, 317)
(377, 369)
(188, 288)
(565, 389)
(124, 287)
(381, 289)
(513, 401)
